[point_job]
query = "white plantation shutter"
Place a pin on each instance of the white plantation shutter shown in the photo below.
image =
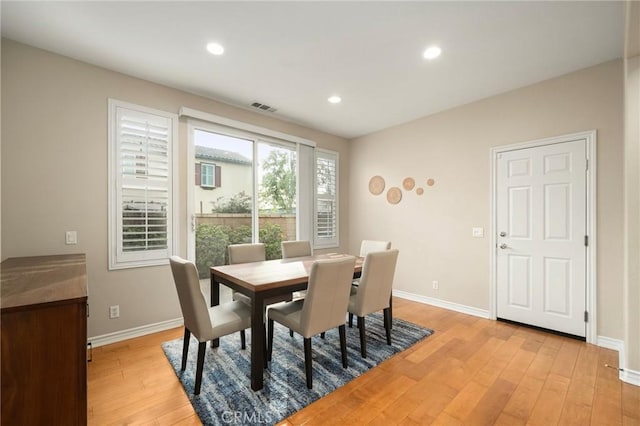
(141, 145)
(326, 199)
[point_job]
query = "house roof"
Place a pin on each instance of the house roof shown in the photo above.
(206, 153)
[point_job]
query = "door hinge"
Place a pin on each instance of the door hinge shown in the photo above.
(586, 241)
(586, 316)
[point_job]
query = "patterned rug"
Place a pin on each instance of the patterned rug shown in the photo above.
(226, 396)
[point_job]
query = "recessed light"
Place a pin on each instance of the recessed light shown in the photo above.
(335, 99)
(432, 52)
(215, 48)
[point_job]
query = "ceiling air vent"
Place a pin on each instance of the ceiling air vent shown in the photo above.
(263, 107)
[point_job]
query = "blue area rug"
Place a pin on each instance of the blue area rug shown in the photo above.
(226, 396)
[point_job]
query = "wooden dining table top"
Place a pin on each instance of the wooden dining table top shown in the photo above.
(269, 274)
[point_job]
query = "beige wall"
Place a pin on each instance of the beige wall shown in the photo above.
(54, 173)
(632, 188)
(632, 210)
(433, 231)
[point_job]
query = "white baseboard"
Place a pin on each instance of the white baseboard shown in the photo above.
(626, 375)
(469, 310)
(630, 376)
(609, 343)
(130, 333)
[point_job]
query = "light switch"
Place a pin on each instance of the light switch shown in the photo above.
(477, 232)
(71, 237)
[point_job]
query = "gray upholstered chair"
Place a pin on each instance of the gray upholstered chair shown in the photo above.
(204, 323)
(368, 246)
(374, 292)
(246, 253)
(324, 307)
(296, 249)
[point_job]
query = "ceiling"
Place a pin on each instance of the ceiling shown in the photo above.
(293, 55)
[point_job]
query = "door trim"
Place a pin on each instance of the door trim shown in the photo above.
(590, 273)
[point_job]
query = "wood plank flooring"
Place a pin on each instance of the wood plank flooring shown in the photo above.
(472, 371)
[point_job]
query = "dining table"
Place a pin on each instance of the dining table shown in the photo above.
(261, 281)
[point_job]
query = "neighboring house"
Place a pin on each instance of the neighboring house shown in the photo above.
(219, 176)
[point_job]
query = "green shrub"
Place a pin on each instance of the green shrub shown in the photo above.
(212, 242)
(211, 247)
(239, 235)
(271, 236)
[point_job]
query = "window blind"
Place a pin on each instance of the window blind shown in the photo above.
(326, 199)
(142, 151)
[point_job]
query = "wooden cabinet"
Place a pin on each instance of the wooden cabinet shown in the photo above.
(44, 340)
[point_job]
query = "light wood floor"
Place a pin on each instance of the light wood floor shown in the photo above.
(472, 371)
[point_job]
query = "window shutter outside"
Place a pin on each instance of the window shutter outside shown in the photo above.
(218, 177)
(198, 174)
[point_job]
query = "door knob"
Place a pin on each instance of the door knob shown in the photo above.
(503, 234)
(503, 246)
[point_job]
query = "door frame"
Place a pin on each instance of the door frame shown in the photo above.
(590, 273)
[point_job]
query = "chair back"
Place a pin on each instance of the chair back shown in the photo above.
(296, 249)
(369, 246)
(192, 303)
(245, 253)
(327, 300)
(376, 282)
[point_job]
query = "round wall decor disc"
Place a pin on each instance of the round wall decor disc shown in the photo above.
(394, 195)
(408, 183)
(376, 185)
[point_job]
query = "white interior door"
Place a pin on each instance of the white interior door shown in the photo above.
(541, 227)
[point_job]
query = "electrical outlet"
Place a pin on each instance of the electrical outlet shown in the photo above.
(71, 237)
(477, 232)
(435, 284)
(114, 311)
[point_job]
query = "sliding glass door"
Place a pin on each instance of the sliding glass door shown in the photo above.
(242, 189)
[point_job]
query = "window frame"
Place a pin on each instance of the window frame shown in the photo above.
(318, 241)
(211, 166)
(118, 258)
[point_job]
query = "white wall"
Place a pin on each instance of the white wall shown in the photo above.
(433, 231)
(54, 173)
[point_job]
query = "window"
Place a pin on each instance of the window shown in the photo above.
(326, 199)
(207, 175)
(140, 185)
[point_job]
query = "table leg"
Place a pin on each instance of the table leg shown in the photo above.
(257, 342)
(215, 300)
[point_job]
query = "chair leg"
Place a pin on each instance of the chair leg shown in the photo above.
(387, 324)
(185, 348)
(264, 348)
(269, 339)
(322, 335)
(350, 320)
(343, 345)
(363, 340)
(243, 340)
(201, 351)
(307, 362)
